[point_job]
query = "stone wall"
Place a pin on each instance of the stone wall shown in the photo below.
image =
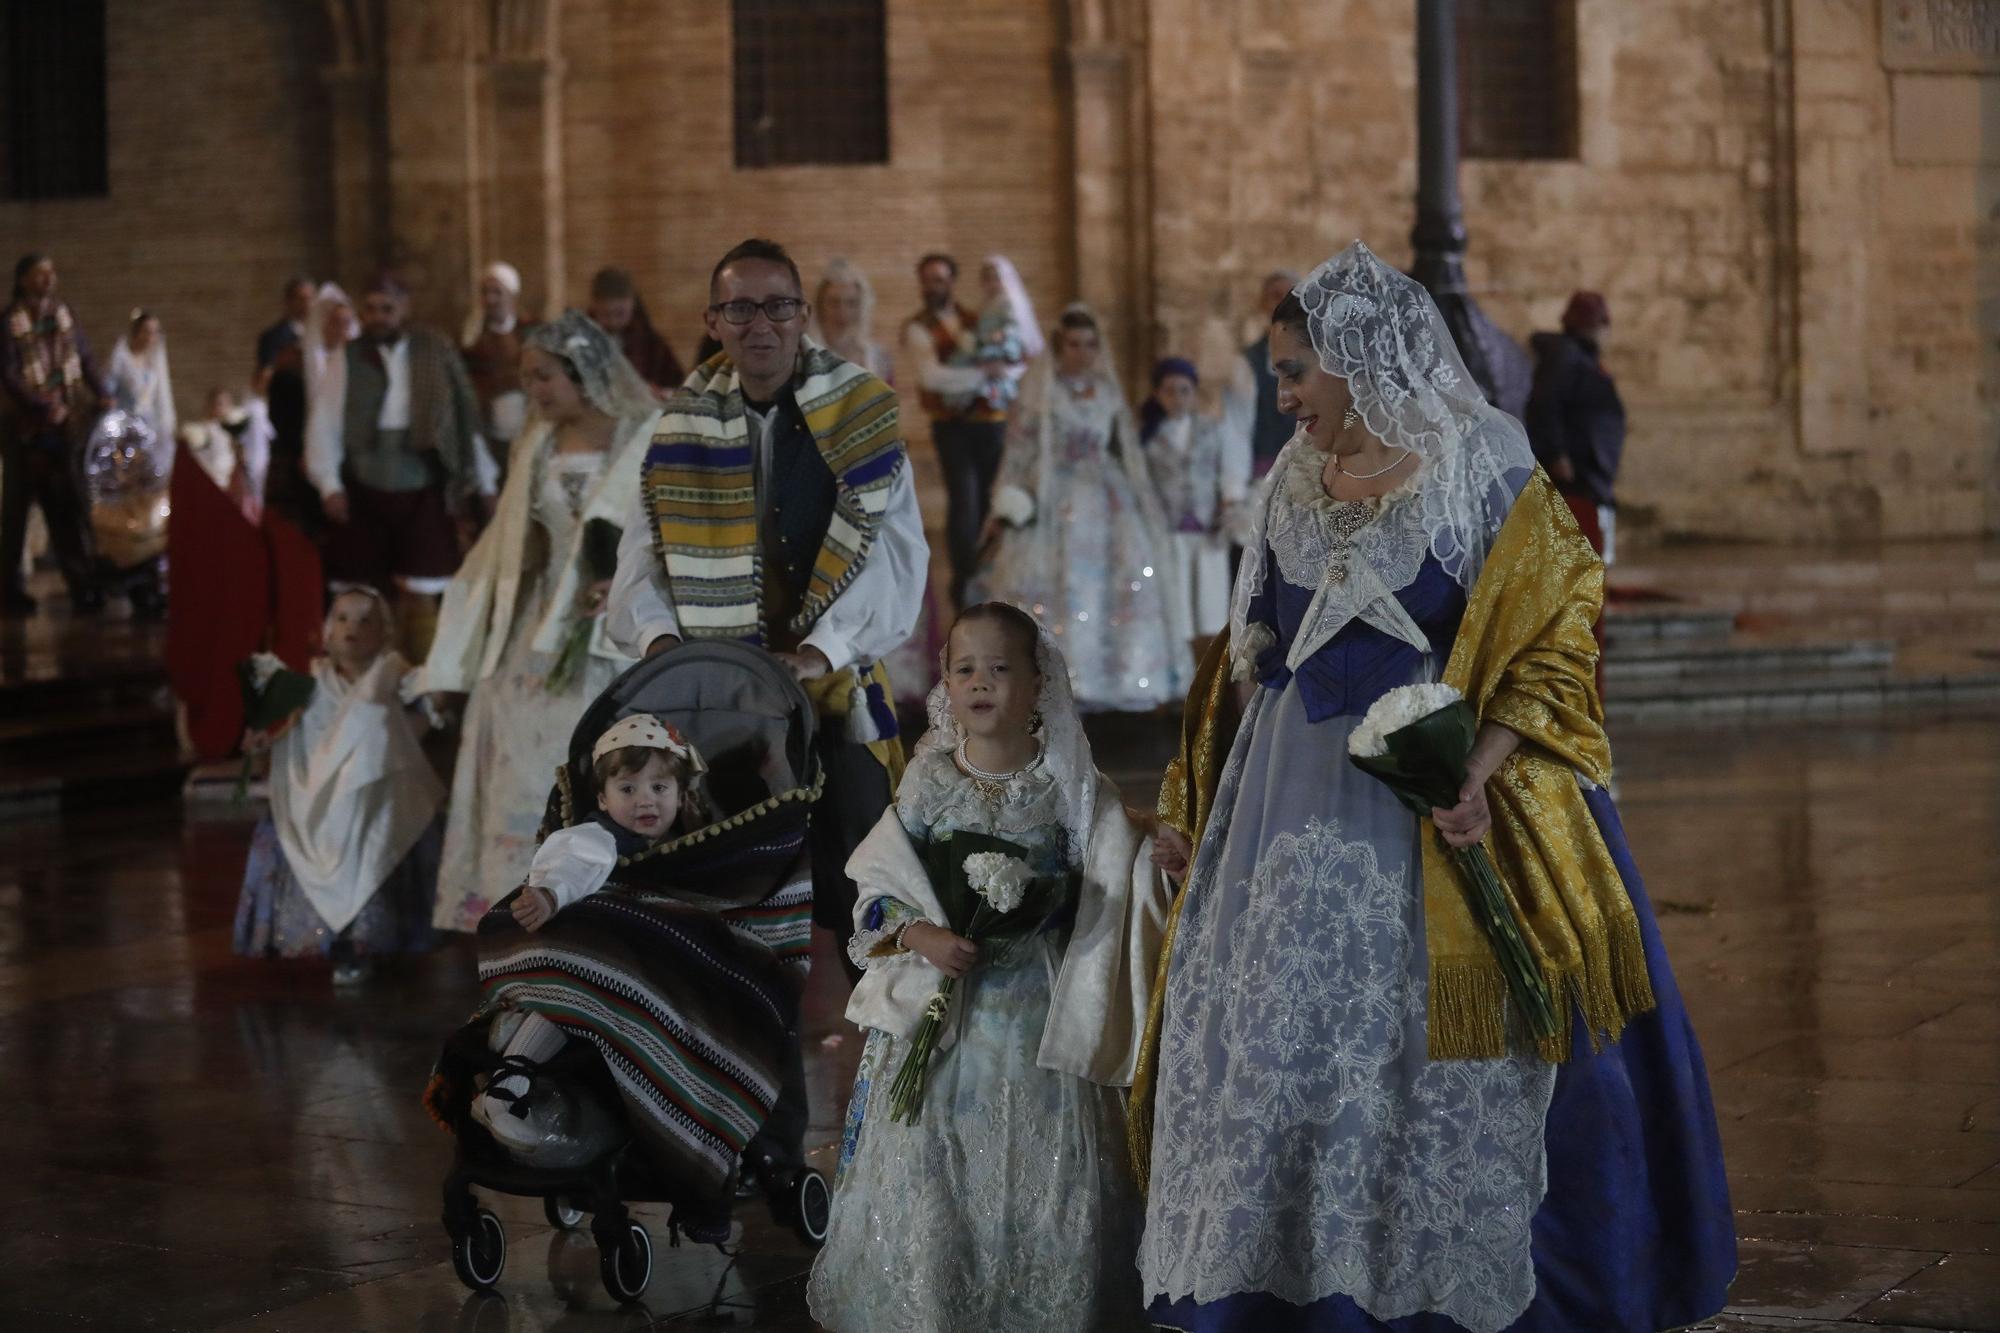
(218, 189)
(977, 135)
(1790, 204)
(1797, 244)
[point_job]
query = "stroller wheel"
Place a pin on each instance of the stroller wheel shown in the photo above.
(812, 1206)
(479, 1256)
(627, 1266)
(562, 1214)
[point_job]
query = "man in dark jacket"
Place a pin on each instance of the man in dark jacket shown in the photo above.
(397, 458)
(1575, 420)
(281, 373)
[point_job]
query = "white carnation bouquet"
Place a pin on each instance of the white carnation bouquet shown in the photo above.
(986, 893)
(1416, 739)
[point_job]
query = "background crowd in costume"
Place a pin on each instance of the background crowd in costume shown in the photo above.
(1337, 1118)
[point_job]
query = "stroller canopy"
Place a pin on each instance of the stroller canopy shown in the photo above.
(737, 704)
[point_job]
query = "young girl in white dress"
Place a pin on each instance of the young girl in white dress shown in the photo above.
(345, 864)
(1007, 1203)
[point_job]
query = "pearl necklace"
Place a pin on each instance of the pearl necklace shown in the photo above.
(991, 786)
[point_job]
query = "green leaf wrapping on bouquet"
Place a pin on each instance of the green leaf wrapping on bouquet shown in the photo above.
(600, 562)
(967, 914)
(277, 704)
(270, 708)
(570, 657)
(1424, 765)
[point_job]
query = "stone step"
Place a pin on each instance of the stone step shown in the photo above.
(65, 782)
(1653, 659)
(1770, 694)
(1649, 621)
(29, 739)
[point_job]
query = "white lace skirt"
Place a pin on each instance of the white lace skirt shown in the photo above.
(1008, 1205)
(514, 735)
(1303, 1143)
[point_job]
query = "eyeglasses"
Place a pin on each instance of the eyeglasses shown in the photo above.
(779, 309)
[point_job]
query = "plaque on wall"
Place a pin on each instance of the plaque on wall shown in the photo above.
(1941, 35)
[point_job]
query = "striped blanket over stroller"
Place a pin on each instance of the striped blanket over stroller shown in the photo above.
(685, 973)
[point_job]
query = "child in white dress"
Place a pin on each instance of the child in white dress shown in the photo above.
(1007, 1201)
(345, 864)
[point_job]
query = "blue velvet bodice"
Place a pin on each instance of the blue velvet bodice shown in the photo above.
(1361, 663)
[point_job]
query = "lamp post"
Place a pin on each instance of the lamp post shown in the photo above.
(1496, 361)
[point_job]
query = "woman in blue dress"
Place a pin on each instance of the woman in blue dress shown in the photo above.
(1350, 1129)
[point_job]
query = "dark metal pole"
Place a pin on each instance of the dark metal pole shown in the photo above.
(1496, 361)
(1439, 236)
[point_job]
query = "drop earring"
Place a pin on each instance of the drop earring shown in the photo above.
(1347, 422)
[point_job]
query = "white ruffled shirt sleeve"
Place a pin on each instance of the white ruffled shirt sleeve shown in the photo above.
(639, 607)
(933, 375)
(876, 613)
(574, 862)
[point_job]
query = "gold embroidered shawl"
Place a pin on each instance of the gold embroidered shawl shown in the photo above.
(1524, 657)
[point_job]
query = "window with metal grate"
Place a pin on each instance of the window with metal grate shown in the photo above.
(1517, 95)
(54, 137)
(811, 82)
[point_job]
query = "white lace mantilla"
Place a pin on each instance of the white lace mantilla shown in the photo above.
(1382, 334)
(1302, 1146)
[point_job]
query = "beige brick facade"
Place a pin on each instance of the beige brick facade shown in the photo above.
(1790, 205)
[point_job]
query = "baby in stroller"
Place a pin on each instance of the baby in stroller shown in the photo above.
(641, 990)
(648, 787)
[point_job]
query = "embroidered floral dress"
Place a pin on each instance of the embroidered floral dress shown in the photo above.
(516, 731)
(1092, 564)
(1313, 1169)
(1007, 1205)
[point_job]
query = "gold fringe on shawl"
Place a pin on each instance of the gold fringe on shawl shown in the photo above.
(1208, 729)
(1525, 658)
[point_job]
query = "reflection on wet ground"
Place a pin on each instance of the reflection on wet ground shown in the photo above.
(192, 1141)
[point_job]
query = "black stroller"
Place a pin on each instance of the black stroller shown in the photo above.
(754, 725)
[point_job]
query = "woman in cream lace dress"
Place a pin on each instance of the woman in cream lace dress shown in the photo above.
(527, 592)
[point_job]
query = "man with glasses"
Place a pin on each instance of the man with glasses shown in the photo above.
(777, 507)
(827, 565)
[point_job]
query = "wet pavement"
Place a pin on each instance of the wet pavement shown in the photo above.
(189, 1140)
